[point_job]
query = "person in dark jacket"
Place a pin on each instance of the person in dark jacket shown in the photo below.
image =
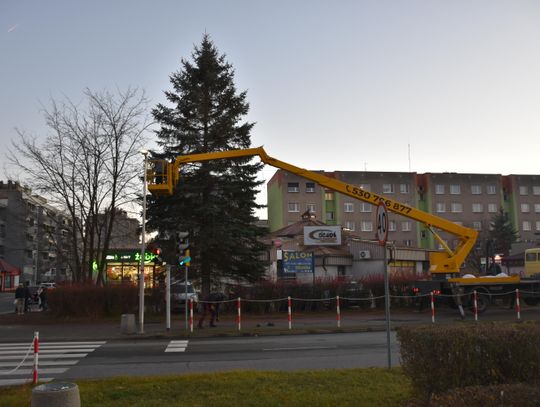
(27, 296)
(43, 298)
(20, 296)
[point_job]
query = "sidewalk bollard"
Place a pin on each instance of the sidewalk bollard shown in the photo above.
(338, 312)
(475, 306)
(57, 394)
(191, 315)
(432, 308)
(289, 316)
(36, 358)
(518, 306)
(239, 316)
(127, 324)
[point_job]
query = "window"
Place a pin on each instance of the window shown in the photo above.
(408, 243)
(492, 208)
(491, 189)
(523, 190)
(293, 187)
(392, 227)
(388, 188)
(350, 225)
(538, 225)
(404, 188)
(526, 226)
(311, 207)
(366, 207)
(294, 207)
(477, 208)
(2, 230)
(477, 225)
(537, 208)
(455, 189)
(329, 196)
(329, 215)
(536, 190)
(310, 187)
(476, 189)
(406, 226)
(349, 207)
(367, 226)
(440, 207)
(439, 189)
(457, 207)
(525, 208)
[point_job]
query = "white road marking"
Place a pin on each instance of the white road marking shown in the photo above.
(177, 346)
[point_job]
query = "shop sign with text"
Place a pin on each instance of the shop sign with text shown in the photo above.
(322, 235)
(298, 262)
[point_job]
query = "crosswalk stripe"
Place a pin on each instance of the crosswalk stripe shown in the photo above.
(59, 357)
(15, 382)
(177, 346)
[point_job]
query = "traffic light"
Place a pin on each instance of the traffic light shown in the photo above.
(184, 257)
(158, 259)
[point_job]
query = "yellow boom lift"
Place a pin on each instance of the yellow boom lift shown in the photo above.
(163, 176)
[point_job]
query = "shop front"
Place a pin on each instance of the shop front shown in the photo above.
(123, 267)
(9, 276)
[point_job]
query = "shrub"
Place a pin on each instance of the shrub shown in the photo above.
(508, 395)
(90, 301)
(439, 358)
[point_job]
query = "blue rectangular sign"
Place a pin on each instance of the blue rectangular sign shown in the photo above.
(298, 262)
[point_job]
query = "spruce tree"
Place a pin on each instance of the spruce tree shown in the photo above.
(502, 233)
(215, 200)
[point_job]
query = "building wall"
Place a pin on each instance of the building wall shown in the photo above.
(35, 234)
(469, 199)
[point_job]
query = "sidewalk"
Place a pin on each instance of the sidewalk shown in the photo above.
(14, 328)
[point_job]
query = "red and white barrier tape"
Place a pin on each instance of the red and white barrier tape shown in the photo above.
(239, 316)
(338, 312)
(36, 358)
(432, 307)
(289, 314)
(191, 314)
(518, 306)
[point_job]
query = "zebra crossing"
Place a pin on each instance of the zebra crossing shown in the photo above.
(177, 346)
(17, 359)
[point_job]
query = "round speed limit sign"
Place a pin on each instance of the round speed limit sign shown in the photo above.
(382, 223)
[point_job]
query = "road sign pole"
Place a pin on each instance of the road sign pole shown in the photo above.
(382, 236)
(168, 296)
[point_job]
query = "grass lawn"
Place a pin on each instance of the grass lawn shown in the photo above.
(348, 387)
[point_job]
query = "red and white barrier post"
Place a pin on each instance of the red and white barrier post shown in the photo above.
(475, 299)
(289, 314)
(518, 306)
(338, 312)
(36, 358)
(432, 307)
(239, 316)
(191, 314)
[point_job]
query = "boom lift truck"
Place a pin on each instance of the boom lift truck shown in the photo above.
(162, 177)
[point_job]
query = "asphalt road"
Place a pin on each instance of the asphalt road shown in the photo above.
(283, 353)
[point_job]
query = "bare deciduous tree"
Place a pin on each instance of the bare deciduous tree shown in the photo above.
(89, 166)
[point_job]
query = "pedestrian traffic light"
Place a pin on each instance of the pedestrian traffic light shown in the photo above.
(185, 259)
(158, 259)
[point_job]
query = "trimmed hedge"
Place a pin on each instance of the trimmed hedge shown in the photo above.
(439, 358)
(89, 301)
(507, 395)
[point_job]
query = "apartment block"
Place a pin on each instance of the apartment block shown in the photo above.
(471, 200)
(34, 235)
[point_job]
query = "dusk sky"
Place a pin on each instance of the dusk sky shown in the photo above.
(342, 85)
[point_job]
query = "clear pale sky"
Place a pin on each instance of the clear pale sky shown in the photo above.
(333, 85)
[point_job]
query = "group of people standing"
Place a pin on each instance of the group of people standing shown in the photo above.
(24, 298)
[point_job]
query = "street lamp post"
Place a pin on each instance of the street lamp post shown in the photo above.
(143, 248)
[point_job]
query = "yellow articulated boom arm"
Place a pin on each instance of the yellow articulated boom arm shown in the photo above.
(164, 179)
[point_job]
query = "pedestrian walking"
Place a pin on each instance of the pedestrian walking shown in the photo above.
(43, 304)
(27, 296)
(20, 299)
(205, 308)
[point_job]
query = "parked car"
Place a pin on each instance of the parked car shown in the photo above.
(178, 295)
(48, 285)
